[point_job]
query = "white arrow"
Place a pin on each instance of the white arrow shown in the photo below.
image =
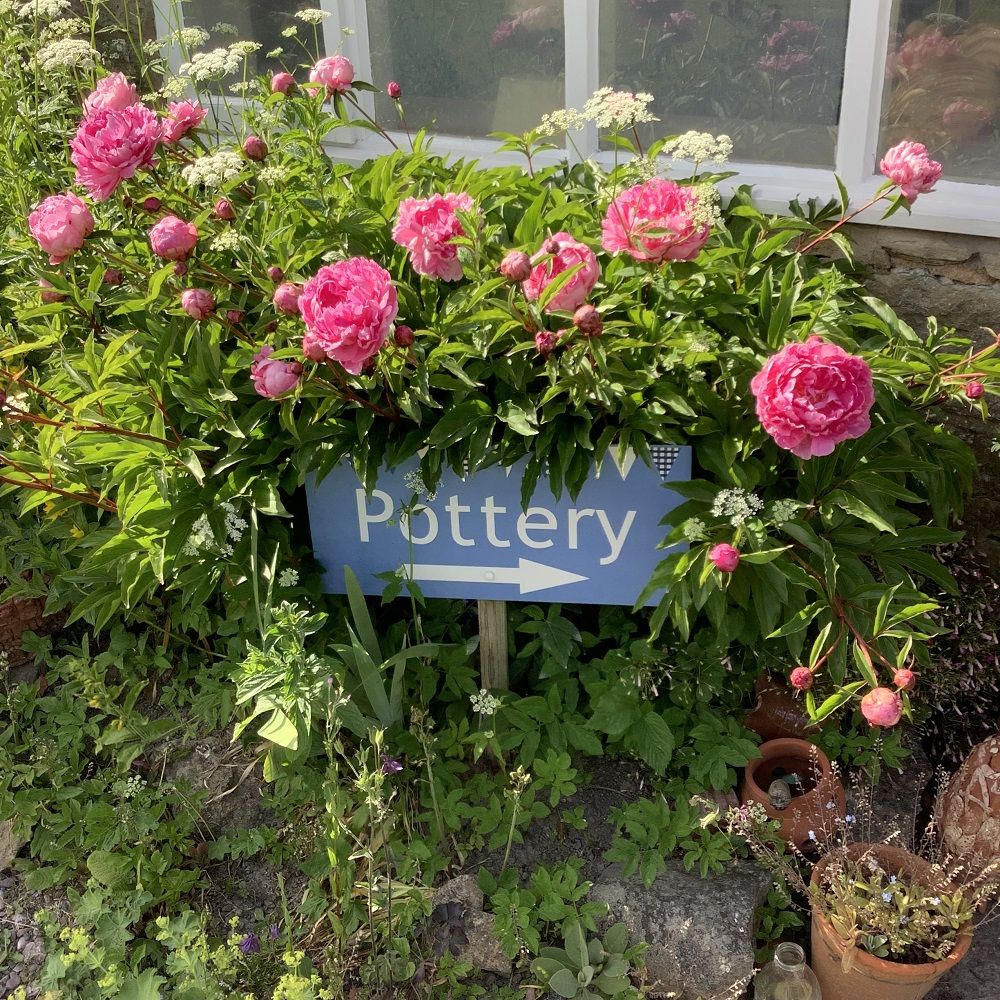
(527, 575)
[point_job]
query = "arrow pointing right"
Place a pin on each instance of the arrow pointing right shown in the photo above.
(527, 576)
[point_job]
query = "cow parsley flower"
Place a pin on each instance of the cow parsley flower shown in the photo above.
(737, 505)
(290, 32)
(225, 28)
(700, 147)
(288, 578)
(67, 53)
(228, 241)
(65, 27)
(312, 15)
(44, 8)
(783, 511)
(484, 703)
(192, 37)
(563, 120)
(414, 482)
(618, 109)
(214, 170)
(706, 211)
(273, 175)
(693, 529)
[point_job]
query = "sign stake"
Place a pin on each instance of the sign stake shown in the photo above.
(493, 644)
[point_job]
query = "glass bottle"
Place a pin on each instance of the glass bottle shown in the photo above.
(787, 977)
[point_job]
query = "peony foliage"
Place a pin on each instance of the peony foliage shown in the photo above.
(245, 312)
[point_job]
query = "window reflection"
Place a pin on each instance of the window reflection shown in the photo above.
(943, 84)
(767, 73)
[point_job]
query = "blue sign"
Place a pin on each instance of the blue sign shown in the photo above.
(470, 538)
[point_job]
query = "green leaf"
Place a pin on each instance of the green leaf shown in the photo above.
(113, 871)
(359, 612)
(576, 943)
(145, 986)
(564, 984)
(834, 702)
(615, 712)
(860, 510)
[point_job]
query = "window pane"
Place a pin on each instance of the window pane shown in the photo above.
(468, 67)
(260, 21)
(770, 78)
(943, 84)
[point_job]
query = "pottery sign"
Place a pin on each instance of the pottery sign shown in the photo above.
(470, 537)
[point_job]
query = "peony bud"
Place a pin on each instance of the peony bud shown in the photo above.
(974, 389)
(112, 276)
(173, 238)
(234, 315)
(588, 321)
(286, 298)
(550, 247)
(724, 557)
(882, 707)
(905, 680)
(180, 269)
(152, 204)
(801, 678)
(276, 274)
(255, 148)
(49, 294)
(403, 335)
(394, 90)
(311, 348)
(273, 378)
(281, 83)
(516, 266)
(197, 303)
(223, 209)
(546, 342)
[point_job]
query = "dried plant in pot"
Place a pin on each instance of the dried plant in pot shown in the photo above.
(795, 784)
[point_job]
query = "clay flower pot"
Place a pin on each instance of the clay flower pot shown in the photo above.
(874, 978)
(968, 808)
(809, 812)
(778, 713)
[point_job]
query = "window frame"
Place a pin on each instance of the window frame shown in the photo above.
(957, 207)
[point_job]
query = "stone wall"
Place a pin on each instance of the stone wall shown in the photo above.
(957, 279)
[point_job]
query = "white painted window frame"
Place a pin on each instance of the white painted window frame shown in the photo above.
(954, 207)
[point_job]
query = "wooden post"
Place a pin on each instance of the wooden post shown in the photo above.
(493, 644)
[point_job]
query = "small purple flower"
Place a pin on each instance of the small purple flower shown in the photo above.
(849, 818)
(886, 897)
(892, 880)
(934, 900)
(831, 804)
(390, 765)
(274, 931)
(250, 944)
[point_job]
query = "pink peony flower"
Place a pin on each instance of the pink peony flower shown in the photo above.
(348, 308)
(223, 209)
(562, 253)
(311, 347)
(801, 678)
(394, 90)
(403, 335)
(172, 238)
(588, 321)
(275, 273)
(254, 148)
(965, 120)
(812, 396)
(60, 224)
(234, 316)
(110, 146)
(546, 342)
(336, 73)
(427, 227)
(151, 204)
(882, 707)
(682, 22)
(909, 167)
(286, 298)
(905, 680)
(516, 266)
(724, 557)
(655, 221)
(920, 52)
(113, 93)
(113, 276)
(974, 390)
(273, 378)
(197, 303)
(182, 117)
(281, 83)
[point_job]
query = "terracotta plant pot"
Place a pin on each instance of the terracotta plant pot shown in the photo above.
(968, 808)
(778, 713)
(874, 978)
(808, 812)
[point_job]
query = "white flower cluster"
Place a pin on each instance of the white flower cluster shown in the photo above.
(44, 8)
(699, 147)
(707, 211)
(736, 504)
(65, 27)
(290, 32)
(132, 786)
(275, 53)
(414, 481)
(227, 241)
(484, 703)
(607, 108)
(273, 175)
(225, 28)
(203, 535)
(218, 63)
(67, 53)
(192, 37)
(313, 15)
(784, 510)
(214, 170)
(175, 86)
(693, 529)
(288, 578)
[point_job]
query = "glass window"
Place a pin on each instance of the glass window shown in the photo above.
(943, 84)
(261, 21)
(468, 67)
(766, 73)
